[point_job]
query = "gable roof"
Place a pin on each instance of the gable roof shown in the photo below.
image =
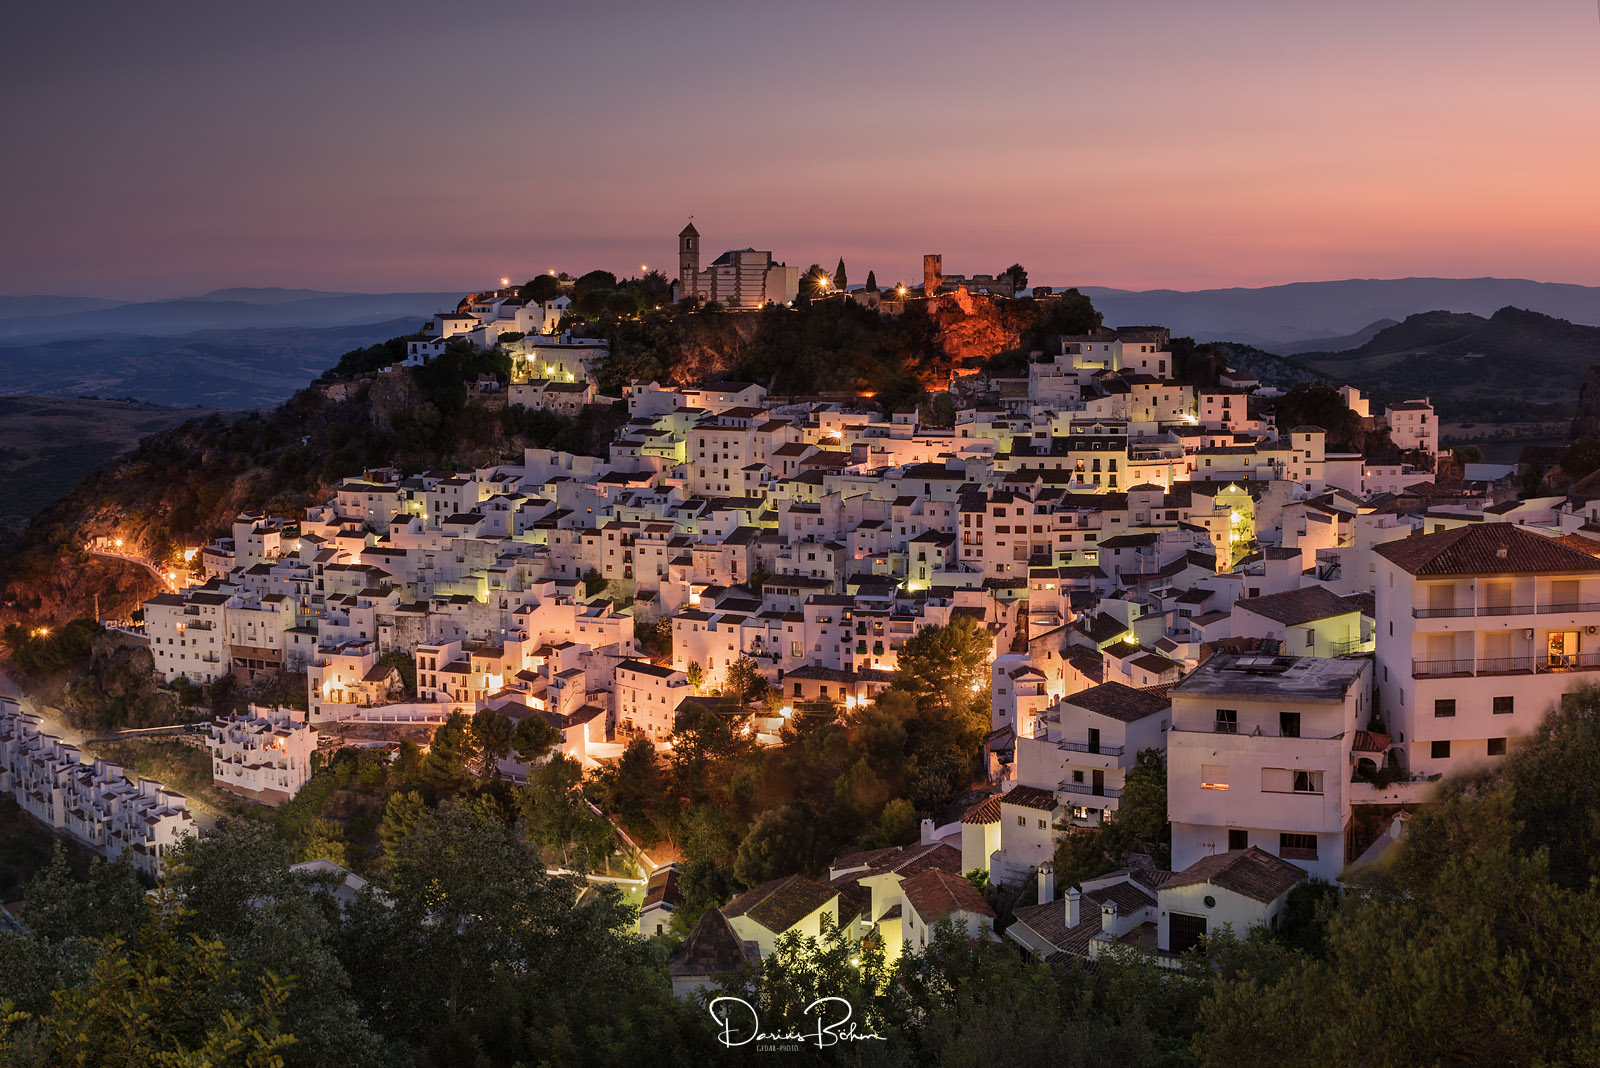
(1118, 701)
(1253, 873)
(780, 904)
(936, 894)
(1030, 797)
(1293, 607)
(713, 947)
(1486, 549)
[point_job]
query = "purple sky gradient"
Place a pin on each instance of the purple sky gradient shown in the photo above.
(174, 147)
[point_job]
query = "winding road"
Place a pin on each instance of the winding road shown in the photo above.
(155, 572)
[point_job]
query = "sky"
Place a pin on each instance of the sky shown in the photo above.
(170, 148)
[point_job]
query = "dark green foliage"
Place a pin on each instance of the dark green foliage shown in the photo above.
(35, 653)
(1322, 406)
(1017, 275)
(358, 362)
(541, 288)
(1140, 827)
(1581, 458)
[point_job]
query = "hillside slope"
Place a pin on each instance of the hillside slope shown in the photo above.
(1515, 364)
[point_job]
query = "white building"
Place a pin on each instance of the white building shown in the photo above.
(1412, 425)
(648, 697)
(1259, 754)
(96, 803)
(264, 755)
(1481, 630)
(188, 636)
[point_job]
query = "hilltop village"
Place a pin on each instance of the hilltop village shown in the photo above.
(1298, 640)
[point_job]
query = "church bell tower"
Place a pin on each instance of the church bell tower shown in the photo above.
(688, 261)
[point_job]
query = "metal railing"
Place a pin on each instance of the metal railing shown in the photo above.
(1506, 665)
(1562, 608)
(1089, 791)
(1093, 750)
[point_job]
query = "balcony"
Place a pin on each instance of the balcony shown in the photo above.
(1095, 750)
(1086, 790)
(1554, 608)
(1506, 665)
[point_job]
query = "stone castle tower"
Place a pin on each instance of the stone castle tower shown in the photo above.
(688, 261)
(932, 273)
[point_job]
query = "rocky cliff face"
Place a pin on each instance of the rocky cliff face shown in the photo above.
(970, 328)
(1586, 422)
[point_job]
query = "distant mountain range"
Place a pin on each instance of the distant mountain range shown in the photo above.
(224, 309)
(1513, 365)
(1308, 316)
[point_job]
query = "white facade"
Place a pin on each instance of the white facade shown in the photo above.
(265, 755)
(1259, 754)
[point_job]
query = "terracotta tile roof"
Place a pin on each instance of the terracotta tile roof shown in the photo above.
(1030, 797)
(1489, 549)
(936, 894)
(1253, 873)
(1120, 702)
(1294, 607)
(713, 947)
(1370, 742)
(985, 811)
(663, 888)
(780, 904)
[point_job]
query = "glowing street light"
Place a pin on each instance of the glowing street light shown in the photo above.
(504, 282)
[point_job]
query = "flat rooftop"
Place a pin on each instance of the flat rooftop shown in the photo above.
(1257, 675)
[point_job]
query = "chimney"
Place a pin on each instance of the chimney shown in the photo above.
(926, 835)
(1047, 883)
(1108, 918)
(1074, 907)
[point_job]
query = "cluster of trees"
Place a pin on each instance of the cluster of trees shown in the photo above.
(1475, 945)
(599, 295)
(1321, 405)
(1140, 827)
(38, 651)
(742, 814)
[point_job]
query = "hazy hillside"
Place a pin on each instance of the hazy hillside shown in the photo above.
(1274, 317)
(250, 368)
(227, 310)
(49, 444)
(1515, 364)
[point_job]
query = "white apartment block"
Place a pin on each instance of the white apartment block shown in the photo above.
(1481, 630)
(264, 754)
(1083, 748)
(97, 803)
(1259, 754)
(188, 635)
(648, 697)
(1412, 425)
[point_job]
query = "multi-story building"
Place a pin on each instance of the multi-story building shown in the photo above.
(648, 697)
(1259, 754)
(1412, 425)
(95, 803)
(739, 279)
(264, 754)
(1481, 630)
(188, 635)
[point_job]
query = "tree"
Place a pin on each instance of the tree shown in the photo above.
(401, 815)
(696, 675)
(840, 280)
(593, 582)
(743, 681)
(324, 841)
(493, 737)
(947, 664)
(1016, 275)
(593, 282)
(872, 282)
(542, 288)
(1581, 458)
(445, 769)
(782, 841)
(109, 903)
(534, 739)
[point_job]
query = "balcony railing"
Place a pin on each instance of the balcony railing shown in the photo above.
(1506, 665)
(1555, 608)
(1089, 791)
(1098, 750)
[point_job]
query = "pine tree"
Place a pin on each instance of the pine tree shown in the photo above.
(872, 282)
(839, 279)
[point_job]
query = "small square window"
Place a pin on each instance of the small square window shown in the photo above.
(1441, 750)
(1504, 706)
(1497, 747)
(1445, 708)
(1238, 839)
